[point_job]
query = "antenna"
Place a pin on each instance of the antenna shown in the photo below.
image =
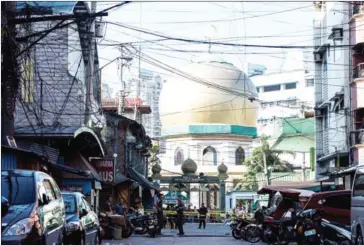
(211, 34)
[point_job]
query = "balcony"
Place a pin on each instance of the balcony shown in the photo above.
(357, 35)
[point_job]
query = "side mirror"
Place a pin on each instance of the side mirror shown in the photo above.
(83, 212)
(4, 206)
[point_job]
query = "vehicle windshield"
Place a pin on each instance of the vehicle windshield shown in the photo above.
(19, 190)
(69, 203)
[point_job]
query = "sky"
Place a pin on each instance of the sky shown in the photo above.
(270, 23)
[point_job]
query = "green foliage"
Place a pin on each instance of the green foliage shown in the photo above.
(153, 159)
(255, 165)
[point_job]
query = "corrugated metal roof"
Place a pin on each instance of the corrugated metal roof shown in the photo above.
(40, 150)
(46, 131)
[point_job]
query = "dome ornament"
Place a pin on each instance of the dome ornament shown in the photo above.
(222, 169)
(156, 171)
(189, 167)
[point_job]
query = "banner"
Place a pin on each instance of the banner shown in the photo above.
(105, 169)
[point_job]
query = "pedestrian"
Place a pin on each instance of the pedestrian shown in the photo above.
(179, 209)
(108, 206)
(160, 216)
(202, 211)
(119, 207)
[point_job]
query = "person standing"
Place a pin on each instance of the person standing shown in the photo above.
(179, 209)
(119, 207)
(202, 211)
(108, 206)
(160, 216)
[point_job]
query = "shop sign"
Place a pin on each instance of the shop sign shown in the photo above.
(72, 188)
(105, 169)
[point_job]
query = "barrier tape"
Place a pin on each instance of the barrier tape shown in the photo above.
(214, 213)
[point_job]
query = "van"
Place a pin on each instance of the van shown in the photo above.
(357, 207)
(32, 209)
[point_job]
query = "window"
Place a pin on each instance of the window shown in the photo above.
(88, 208)
(57, 191)
(239, 156)
(49, 190)
(272, 88)
(358, 187)
(82, 205)
(310, 82)
(27, 79)
(339, 201)
(70, 203)
(18, 190)
(291, 85)
(209, 156)
(178, 157)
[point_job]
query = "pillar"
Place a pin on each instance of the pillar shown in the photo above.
(222, 195)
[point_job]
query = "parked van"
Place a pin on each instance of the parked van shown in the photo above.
(32, 209)
(357, 207)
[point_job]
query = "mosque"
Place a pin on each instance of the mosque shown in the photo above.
(206, 129)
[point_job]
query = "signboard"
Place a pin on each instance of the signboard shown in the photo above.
(72, 188)
(195, 179)
(105, 169)
(171, 197)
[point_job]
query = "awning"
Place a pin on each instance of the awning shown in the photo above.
(58, 132)
(120, 179)
(135, 175)
(294, 143)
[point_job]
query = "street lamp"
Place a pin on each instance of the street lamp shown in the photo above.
(115, 157)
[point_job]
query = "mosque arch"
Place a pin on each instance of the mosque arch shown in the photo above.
(178, 156)
(209, 156)
(239, 156)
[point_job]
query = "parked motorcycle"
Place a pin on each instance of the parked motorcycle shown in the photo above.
(312, 229)
(144, 223)
(238, 228)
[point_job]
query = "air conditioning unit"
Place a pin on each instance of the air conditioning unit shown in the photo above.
(337, 33)
(11, 141)
(318, 57)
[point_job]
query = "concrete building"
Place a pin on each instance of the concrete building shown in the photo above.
(209, 126)
(148, 89)
(332, 95)
(288, 93)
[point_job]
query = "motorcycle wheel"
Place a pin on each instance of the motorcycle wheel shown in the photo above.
(127, 232)
(359, 239)
(236, 234)
(152, 232)
(281, 239)
(252, 233)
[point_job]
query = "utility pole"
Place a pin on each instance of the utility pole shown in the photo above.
(138, 89)
(304, 167)
(122, 91)
(266, 175)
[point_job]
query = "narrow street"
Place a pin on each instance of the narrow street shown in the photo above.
(214, 234)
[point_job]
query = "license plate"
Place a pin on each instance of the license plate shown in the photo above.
(310, 233)
(151, 226)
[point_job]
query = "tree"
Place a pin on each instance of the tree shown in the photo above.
(106, 91)
(255, 165)
(153, 159)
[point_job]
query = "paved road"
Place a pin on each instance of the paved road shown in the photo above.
(214, 234)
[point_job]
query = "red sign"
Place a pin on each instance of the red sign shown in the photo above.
(105, 169)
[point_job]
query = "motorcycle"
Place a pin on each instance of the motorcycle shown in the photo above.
(144, 223)
(312, 229)
(238, 228)
(307, 227)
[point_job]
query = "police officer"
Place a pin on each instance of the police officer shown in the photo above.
(202, 211)
(179, 209)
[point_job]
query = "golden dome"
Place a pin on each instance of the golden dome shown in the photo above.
(184, 101)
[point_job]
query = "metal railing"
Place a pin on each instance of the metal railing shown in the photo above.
(357, 137)
(358, 71)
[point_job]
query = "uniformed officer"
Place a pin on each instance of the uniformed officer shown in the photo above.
(180, 207)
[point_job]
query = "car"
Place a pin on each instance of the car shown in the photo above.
(82, 224)
(334, 204)
(32, 208)
(357, 207)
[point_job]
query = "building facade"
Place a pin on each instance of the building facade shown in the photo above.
(332, 94)
(209, 126)
(148, 88)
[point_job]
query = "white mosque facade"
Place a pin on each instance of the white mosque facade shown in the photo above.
(208, 125)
